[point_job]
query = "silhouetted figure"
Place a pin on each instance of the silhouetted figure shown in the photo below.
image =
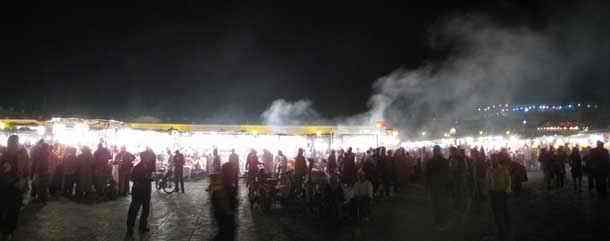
(234, 160)
(437, 173)
(40, 171)
(300, 166)
(13, 179)
(224, 204)
(576, 169)
(601, 166)
(71, 166)
(268, 162)
(179, 171)
(331, 167)
(125, 161)
(85, 172)
(349, 167)
(500, 188)
(102, 172)
(141, 176)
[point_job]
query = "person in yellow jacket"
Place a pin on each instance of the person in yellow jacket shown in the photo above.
(500, 188)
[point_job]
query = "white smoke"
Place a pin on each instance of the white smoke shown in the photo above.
(490, 65)
(282, 112)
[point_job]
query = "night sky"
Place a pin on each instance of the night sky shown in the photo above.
(220, 62)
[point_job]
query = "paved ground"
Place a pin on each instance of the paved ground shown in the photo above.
(538, 215)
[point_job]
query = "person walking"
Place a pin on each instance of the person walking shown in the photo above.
(437, 175)
(500, 189)
(179, 171)
(234, 161)
(141, 175)
(601, 166)
(576, 168)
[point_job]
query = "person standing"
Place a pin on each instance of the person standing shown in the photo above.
(252, 165)
(101, 171)
(576, 169)
(545, 160)
(40, 171)
(234, 161)
(560, 166)
(282, 163)
(363, 194)
(349, 167)
(601, 166)
(268, 162)
(216, 161)
(179, 171)
(141, 175)
(331, 167)
(13, 179)
(71, 171)
(125, 161)
(85, 172)
(588, 169)
(300, 166)
(437, 174)
(500, 189)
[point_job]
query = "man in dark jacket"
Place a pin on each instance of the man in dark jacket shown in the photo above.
(349, 167)
(141, 176)
(437, 173)
(234, 161)
(601, 166)
(576, 165)
(40, 170)
(332, 163)
(101, 171)
(179, 171)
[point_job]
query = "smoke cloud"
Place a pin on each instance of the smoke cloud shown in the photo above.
(483, 62)
(282, 112)
(488, 64)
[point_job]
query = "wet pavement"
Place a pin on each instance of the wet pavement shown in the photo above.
(538, 215)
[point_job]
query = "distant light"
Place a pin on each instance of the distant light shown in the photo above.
(507, 132)
(318, 133)
(446, 135)
(481, 133)
(452, 131)
(524, 122)
(2, 125)
(423, 133)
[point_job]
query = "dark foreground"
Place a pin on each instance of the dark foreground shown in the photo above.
(537, 215)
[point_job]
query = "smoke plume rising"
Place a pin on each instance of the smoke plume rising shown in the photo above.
(488, 64)
(282, 112)
(484, 62)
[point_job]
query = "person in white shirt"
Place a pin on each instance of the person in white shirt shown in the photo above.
(363, 193)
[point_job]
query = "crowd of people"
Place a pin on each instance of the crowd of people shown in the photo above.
(454, 176)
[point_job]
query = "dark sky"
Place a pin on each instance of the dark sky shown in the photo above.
(216, 62)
